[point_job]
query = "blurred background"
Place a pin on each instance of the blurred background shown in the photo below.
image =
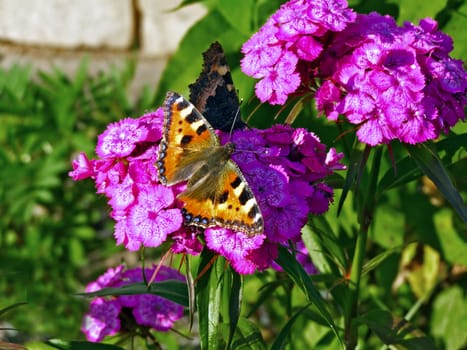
(58, 33)
(67, 69)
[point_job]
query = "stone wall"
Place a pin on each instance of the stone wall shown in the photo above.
(47, 33)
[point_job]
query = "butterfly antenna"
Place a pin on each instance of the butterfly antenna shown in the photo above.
(235, 119)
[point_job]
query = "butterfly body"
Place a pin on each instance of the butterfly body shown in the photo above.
(217, 193)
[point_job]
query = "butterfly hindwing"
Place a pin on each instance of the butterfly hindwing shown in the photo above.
(217, 193)
(228, 202)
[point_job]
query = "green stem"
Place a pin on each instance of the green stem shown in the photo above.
(354, 287)
(365, 216)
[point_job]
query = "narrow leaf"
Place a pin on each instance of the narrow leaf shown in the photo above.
(209, 301)
(248, 336)
(295, 111)
(354, 168)
(266, 291)
(296, 272)
(406, 172)
(80, 345)
(378, 259)
(235, 304)
(393, 331)
(281, 340)
(175, 291)
(318, 234)
(10, 307)
(429, 162)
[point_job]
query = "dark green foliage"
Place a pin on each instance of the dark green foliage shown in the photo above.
(52, 230)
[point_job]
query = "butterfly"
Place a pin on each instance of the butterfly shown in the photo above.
(217, 193)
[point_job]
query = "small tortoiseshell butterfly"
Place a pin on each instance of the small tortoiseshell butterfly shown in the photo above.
(217, 193)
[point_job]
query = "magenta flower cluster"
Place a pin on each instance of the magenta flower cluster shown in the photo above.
(110, 315)
(293, 35)
(392, 82)
(283, 166)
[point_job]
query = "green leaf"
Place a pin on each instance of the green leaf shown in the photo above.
(239, 14)
(429, 162)
(173, 290)
(451, 238)
(452, 21)
(80, 345)
(76, 252)
(235, 303)
(10, 307)
(404, 172)
(388, 224)
(353, 169)
(188, 2)
(378, 259)
(282, 337)
(318, 235)
(414, 11)
(422, 266)
(209, 300)
(266, 291)
(295, 110)
(394, 331)
(356, 169)
(449, 318)
(191, 290)
(296, 272)
(248, 336)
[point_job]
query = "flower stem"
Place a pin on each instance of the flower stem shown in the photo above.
(354, 286)
(365, 217)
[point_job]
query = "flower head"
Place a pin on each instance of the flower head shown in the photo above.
(283, 166)
(120, 139)
(294, 34)
(101, 320)
(103, 317)
(392, 81)
(290, 163)
(82, 167)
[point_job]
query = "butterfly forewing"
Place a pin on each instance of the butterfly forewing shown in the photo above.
(186, 133)
(217, 193)
(214, 93)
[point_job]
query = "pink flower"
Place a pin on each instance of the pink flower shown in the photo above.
(393, 82)
(232, 245)
(82, 168)
(101, 320)
(291, 36)
(149, 219)
(120, 139)
(147, 310)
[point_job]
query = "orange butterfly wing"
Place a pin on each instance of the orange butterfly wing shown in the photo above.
(217, 193)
